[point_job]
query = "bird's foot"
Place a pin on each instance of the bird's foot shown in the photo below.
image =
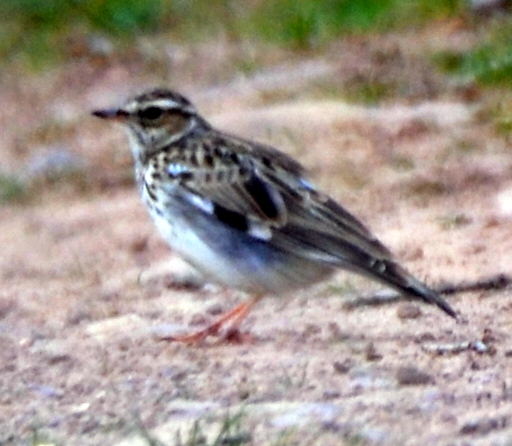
(226, 328)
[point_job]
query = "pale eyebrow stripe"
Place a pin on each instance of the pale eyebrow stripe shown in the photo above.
(164, 103)
(168, 104)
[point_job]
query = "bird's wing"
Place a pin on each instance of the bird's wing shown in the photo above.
(265, 192)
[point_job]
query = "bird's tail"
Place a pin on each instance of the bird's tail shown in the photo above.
(393, 275)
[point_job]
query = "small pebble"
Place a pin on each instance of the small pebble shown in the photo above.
(215, 309)
(47, 391)
(411, 376)
(344, 366)
(371, 353)
(139, 244)
(408, 311)
(480, 347)
(336, 333)
(331, 394)
(485, 425)
(53, 352)
(488, 336)
(311, 329)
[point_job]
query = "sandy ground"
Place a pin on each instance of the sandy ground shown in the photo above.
(88, 287)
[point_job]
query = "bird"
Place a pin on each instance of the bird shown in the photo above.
(243, 213)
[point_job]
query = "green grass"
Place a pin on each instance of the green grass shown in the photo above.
(38, 31)
(39, 439)
(309, 23)
(306, 23)
(112, 16)
(12, 190)
(489, 63)
(371, 91)
(504, 125)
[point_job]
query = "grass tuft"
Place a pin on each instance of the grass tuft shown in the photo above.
(454, 221)
(308, 23)
(490, 63)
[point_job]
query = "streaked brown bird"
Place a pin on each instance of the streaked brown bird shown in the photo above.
(243, 213)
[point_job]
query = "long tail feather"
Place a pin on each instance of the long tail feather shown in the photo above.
(395, 276)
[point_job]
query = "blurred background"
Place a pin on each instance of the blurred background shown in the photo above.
(60, 58)
(37, 33)
(402, 109)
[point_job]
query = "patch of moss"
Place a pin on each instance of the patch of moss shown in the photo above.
(12, 190)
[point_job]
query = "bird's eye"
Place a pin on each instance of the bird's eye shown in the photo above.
(151, 113)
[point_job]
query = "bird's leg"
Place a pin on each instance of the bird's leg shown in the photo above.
(234, 318)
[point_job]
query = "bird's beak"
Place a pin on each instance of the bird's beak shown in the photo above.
(114, 114)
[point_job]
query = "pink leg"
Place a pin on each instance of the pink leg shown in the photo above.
(233, 317)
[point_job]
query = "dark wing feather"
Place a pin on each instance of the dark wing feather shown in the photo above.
(229, 181)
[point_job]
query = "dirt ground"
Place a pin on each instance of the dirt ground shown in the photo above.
(87, 287)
